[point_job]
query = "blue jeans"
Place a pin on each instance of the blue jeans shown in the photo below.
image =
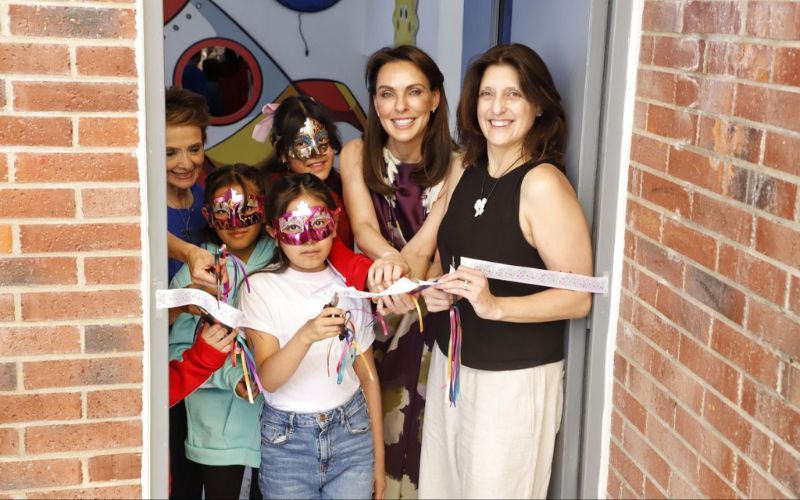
(317, 455)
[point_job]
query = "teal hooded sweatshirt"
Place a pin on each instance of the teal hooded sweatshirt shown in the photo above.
(223, 428)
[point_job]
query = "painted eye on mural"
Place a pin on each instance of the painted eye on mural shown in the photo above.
(225, 73)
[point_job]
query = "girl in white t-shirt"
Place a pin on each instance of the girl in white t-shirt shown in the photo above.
(315, 439)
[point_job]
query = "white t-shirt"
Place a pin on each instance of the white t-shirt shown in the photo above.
(279, 304)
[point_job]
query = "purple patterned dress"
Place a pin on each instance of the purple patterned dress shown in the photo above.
(403, 358)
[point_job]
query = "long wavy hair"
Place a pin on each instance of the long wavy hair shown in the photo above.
(547, 139)
(437, 145)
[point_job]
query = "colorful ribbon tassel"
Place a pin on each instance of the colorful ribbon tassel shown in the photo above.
(454, 355)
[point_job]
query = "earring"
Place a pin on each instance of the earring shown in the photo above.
(433, 111)
(539, 114)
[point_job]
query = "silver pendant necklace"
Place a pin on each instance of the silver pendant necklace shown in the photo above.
(480, 203)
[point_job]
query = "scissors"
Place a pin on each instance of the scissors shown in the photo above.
(218, 273)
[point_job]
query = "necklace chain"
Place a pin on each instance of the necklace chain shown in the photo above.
(480, 203)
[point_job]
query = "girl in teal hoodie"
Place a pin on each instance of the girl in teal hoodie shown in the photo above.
(223, 431)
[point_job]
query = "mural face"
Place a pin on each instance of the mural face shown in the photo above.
(207, 50)
(405, 22)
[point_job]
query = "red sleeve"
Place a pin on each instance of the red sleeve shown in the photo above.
(199, 362)
(352, 266)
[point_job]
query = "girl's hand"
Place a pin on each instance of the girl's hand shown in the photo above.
(385, 271)
(436, 300)
(241, 389)
(328, 324)
(473, 286)
(380, 483)
(219, 337)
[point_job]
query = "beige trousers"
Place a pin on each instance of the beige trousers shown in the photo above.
(498, 441)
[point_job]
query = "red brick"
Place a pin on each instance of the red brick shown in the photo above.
(774, 327)
(711, 17)
(714, 371)
(762, 277)
(705, 442)
(27, 408)
(114, 403)
(108, 132)
(671, 449)
(106, 61)
(678, 53)
(81, 305)
(660, 261)
(646, 50)
(40, 473)
(652, 397)
(787, 66)
(656, 85)
(665, 193)
(32, 340)
(661, 16)
(35, 131)
(72, 22)
(634, 180)
(9, 442)
(772, 106)
(716, 294)
(33, 59)
(614, 484)
(79, 237)
(713, 486)
(114, 338)
(3, 160)
(683, 385)
(6, 307)
(630, 245)
(690, 243)
(631, 409)
(38, 271)
(730, 139)
(683, 313)
(122, 491)
(81, 372)
(647, 456)
(786, 468)
(676, 124)
(722, 218)
(112, 270)
(747, 354)
(791, 385)
(779, 417)
(746, 61)
(687, 90)
(8, 376)
(75, 96)
(646, 288)
(782, 152)
(620, 369)
(764, 192)
(678, 488)
(79, 167)
(620, 462)
(29, 203)
(654, 328)
(650, 152)
(115, 467)
(755, 485)
(794, 295)
(778, 20)
(651, 490)
(644, 220)
(715, 96)
(112, 202)
(736, 429)
(77, 437)
(640, 116)
(778, 241)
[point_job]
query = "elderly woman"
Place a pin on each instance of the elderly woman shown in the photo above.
(513, 205)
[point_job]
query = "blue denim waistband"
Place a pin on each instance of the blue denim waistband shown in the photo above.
(292, 419)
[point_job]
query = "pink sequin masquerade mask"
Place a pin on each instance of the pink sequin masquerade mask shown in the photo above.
(305, 224)
(311, 141)
(233, 210)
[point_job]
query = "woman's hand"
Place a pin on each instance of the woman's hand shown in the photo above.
(473, 286)
(219, 337)
(201, 266)
(436, 300)
(397, 304)
(380, 483)
(389, 268)
(328, 324)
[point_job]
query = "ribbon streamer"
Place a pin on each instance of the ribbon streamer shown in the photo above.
(454, 355)
(541, 277)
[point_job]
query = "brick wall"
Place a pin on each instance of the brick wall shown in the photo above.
(70, 251)
(706, 396)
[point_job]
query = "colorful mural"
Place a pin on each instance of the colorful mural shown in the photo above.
(208, 51)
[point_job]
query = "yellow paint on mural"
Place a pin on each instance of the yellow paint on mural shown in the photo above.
(405, 21)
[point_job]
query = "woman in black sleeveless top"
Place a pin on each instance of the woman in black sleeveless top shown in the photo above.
(511, 205)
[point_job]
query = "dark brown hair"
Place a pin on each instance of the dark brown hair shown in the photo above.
(437, 145)
(547, 139)
(228, 175)
(184, 107)
(287, 189)
(289, 118)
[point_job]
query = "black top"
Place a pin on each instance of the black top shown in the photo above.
(494, 236)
